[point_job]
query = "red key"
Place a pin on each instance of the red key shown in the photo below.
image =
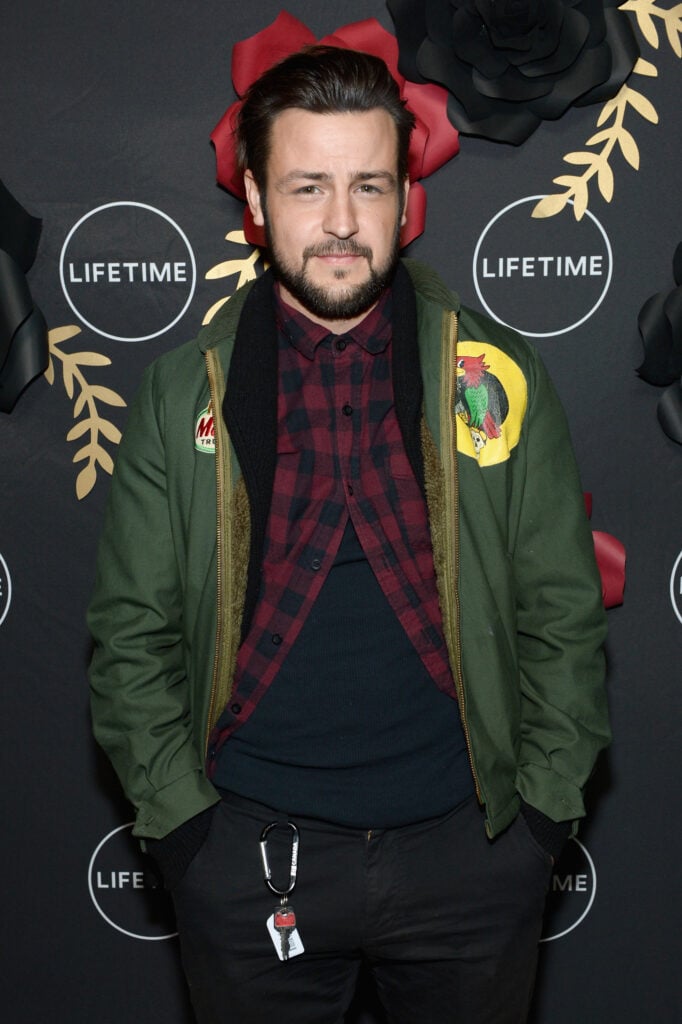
(285, 919)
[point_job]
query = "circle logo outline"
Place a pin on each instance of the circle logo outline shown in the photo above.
(91, 889)
(593, 871)
(183, 236)
(6, 601)
(541, 334)
(677, 566)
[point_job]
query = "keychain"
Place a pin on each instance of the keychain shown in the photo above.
(282, 922)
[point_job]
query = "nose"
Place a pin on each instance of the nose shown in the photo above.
(340, 218)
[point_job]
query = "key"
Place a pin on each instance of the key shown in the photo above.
(284, 922)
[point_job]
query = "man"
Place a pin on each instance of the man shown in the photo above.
(333, 626)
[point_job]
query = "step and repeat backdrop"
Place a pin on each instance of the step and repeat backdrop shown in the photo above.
(564, 227)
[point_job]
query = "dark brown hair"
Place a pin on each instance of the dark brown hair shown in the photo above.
(321, 80)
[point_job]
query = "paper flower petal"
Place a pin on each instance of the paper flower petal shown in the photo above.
(19, 231)
(23, 334)
(660, 325)
(368, 36)
(222, 137)
(252, 56)
(624, 53)
(610, 555)
(670, 411)
(416, 214)
(429, 104)
(677, 264)
(23, 331)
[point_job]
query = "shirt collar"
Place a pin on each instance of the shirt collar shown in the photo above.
(373, 333)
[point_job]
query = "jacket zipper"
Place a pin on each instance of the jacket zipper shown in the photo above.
(448, 428)
(223, 471)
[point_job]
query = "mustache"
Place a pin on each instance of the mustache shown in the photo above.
(341, 247)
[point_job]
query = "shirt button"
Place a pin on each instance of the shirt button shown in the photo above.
(315, 564)
(236, 709)
(341, 344)
(276, 639)
(350, 488)
(347, 410)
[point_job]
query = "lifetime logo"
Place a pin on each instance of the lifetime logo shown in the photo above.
(676, 587)
(131, 272)
(122, 880)
(125, 891)
(542, 276)
(569, 883)
(127, 271)
(572, 891)
(5, 590)
(544, 266)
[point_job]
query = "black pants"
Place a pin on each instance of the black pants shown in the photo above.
(446, 922)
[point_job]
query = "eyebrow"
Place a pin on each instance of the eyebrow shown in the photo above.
(298, 174)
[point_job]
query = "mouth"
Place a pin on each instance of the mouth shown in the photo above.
(340, 259)
(338, 254)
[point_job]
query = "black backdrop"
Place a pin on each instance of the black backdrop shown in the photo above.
(106, 111)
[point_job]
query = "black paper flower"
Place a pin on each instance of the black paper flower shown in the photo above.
(660, 324)
(511, 64)
(23, 331)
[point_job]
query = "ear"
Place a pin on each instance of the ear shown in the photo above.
(406, 188)
(253, 198)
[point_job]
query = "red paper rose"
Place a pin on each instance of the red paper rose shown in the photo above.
(610, 555)
(434, 140)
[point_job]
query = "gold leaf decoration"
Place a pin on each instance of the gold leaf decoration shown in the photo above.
(244, 267)
(649, 16)
(87, 397)
(597, 164)
(646, 12)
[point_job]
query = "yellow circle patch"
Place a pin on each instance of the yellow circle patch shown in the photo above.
(490, 402)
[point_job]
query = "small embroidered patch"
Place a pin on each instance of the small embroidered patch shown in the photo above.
(204, 431)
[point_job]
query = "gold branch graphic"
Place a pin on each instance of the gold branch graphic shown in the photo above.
(245, 268)
(646, 11)
(86, 398)
(597, 163)
(615, 135)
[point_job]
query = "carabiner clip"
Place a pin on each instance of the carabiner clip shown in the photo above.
(294, 856)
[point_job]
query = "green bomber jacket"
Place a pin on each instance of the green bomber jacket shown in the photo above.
(520, 594)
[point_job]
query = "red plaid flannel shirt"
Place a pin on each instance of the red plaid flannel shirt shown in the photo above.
(339, 454)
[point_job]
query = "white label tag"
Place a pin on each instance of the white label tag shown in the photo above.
(295, 944)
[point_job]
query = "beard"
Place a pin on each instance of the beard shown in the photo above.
(326, 303)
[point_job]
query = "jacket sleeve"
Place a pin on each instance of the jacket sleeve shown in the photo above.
(140, 699)
(561, 623)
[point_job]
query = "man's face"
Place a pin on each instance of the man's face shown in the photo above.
(332, 211)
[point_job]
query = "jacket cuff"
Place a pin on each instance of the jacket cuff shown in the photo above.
(551, 835)
(174, 852)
